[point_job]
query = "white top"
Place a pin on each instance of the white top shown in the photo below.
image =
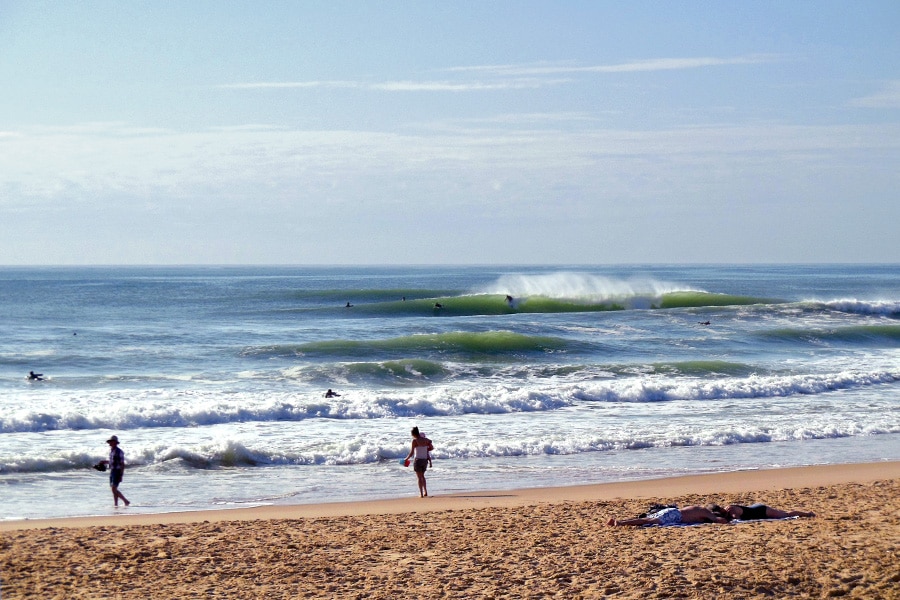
(421, 448)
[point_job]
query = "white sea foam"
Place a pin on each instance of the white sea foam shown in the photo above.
(574, 285)
(197, 408)
(888, 308)
(328, 442)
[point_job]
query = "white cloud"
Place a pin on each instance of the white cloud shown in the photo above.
(78, 163)
(508, 77)
(403, 86)
(889, 97)
(471, 86)
(287, 85)
(654, 64)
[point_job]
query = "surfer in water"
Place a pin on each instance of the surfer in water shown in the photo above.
(32, 376)
(332, 394)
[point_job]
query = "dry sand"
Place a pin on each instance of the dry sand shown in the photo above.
(544, 543)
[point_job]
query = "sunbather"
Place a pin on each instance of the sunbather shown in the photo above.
(688, 515)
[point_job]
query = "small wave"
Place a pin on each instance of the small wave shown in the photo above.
(419, 372)
(705, 368)
(730, 388)
(354, 450)
(854, 334)
(393, 373)
(887, 308)
(231, 454)
(211, 408)
(477, 343)
(65, 461)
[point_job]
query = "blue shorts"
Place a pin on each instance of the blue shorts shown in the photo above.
(667, 516)
(115, 477)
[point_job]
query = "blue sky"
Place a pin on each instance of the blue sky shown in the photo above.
(471, 132)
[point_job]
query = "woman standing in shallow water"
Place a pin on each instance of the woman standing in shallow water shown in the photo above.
(421, 446)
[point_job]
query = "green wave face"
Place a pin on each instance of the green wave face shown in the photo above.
(543, 304)
(486, 304)
(405, 370)
(479, 343)
(884, 334)
(702, 299)
(496, 304)
(705, 368)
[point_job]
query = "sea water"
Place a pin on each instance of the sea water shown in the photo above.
(214, 378)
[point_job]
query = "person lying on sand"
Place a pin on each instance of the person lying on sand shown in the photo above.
(672, 516)
(761, 511)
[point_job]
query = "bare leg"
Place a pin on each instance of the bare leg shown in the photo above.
(774, 513)
(423, 491)
(632, 522)
(117, 494)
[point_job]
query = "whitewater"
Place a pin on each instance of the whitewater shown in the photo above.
(214, 377)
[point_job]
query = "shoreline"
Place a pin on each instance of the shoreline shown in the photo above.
(727, 483)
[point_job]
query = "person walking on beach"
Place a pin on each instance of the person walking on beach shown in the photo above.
(421, 446)
(116, 464)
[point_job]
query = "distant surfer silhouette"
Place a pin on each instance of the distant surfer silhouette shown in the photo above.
(704, 323)
(32, 376)
(438, 305)
(509, 299)
(332, 394)
(348, 305)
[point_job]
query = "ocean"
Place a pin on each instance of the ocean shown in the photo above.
(213, 378)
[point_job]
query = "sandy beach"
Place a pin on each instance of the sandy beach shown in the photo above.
(537, 543)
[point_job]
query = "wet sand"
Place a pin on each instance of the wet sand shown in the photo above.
(539, 543)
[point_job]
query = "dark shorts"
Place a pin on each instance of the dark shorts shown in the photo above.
(753, 512)
(421, 465)
(115, 477)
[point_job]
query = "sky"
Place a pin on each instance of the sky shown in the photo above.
(501, 132)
